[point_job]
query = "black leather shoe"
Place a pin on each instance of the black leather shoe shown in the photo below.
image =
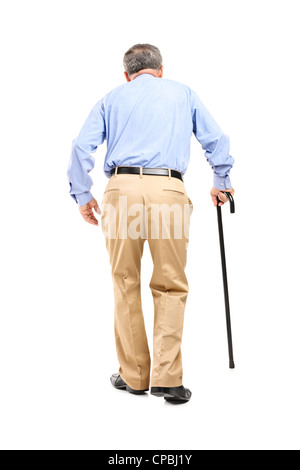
(175, 395)
(119, 384)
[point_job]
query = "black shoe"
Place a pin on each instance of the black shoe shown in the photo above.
(119, 384)
(175, 395)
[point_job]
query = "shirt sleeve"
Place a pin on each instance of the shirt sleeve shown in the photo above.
(81, 162)
(215, 143)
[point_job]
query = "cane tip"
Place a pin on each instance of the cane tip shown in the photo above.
(231, 365)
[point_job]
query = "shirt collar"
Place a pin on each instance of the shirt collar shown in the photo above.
(145, 74)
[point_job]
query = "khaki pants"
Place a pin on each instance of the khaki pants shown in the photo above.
(135, 208)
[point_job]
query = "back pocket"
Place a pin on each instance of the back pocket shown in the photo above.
(112, 189)
(176, 191)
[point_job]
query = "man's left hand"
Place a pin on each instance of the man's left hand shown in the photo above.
(217, 193)
(87, 212)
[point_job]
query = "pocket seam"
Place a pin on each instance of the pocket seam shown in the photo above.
(112, 189)
(174, 191)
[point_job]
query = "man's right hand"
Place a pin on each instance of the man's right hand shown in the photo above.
(217, 193)
(87, 211)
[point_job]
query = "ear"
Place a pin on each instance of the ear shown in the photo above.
(161, 71)
(127, 77)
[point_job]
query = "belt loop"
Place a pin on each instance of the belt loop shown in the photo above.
(116, 171)
(169, 173)
(141, 172)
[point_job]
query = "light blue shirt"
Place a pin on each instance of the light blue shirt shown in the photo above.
(147, 122)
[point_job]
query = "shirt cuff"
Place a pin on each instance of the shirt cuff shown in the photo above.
(222, 182)
(82, 198)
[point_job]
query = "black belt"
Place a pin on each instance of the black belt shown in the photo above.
(135, 170)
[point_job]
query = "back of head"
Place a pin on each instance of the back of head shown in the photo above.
(142, 56)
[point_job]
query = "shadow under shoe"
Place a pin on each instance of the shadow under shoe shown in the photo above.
(174, 395)
(119, 384)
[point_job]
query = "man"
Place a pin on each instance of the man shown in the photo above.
(147, 123)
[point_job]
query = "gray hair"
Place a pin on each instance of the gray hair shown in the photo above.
(142, 56)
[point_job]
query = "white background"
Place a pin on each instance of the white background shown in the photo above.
(57, 347)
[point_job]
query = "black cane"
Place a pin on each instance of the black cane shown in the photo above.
(225, 282)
